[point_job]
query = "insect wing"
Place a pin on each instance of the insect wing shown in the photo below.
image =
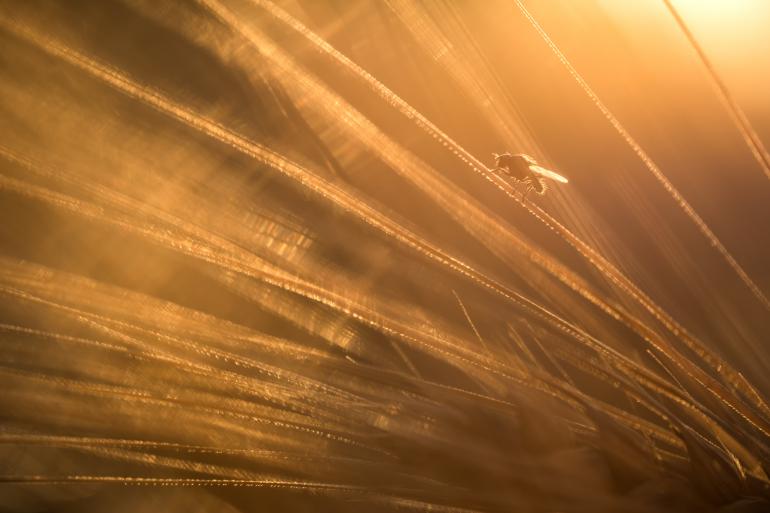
(548, 174)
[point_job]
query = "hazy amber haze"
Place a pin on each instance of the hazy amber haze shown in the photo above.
(257, 256)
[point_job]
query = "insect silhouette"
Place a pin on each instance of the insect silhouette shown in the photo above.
(524, 169)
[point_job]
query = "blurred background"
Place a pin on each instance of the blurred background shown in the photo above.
(256, 254)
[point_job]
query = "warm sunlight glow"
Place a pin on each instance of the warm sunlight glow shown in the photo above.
(736, 34)
(385, 256)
